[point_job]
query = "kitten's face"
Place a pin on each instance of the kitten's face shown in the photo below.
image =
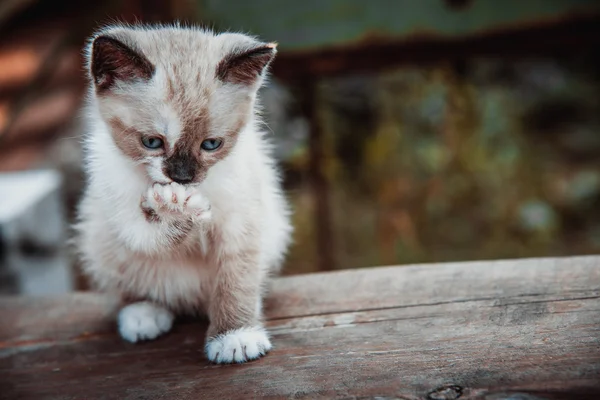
(176, 100)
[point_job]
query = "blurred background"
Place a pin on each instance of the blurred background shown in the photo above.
(408, 131)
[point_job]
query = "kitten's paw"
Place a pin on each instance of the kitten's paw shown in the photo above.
(176, 198)
(196, 205)
(144, 321)
(238, 345)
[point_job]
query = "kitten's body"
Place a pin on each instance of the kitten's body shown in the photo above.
(208, 243)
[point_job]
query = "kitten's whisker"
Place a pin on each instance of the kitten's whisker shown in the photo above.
(267, 127)
(62, 138)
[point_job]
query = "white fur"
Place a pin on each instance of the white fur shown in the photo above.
(239, 345)
(111, 225)
(122, 251)
(144, 321)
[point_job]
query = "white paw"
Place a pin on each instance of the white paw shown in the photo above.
(239, 345)
(143, 321)
(178, 199)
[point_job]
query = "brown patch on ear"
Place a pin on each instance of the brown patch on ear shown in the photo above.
(114, 61)
(244, 68)
(127, 139)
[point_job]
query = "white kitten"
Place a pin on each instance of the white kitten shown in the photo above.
(183, 212)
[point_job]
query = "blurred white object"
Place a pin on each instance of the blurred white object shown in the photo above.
(33, 257)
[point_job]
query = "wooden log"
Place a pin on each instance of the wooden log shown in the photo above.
(523, 329)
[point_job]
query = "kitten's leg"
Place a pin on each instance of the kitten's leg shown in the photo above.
(236, 333)
(144, 321)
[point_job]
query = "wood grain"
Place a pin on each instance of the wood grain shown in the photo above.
(527, 329)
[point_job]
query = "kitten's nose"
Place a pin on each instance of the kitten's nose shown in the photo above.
(181, 176)
(180, 169)
(183, 180)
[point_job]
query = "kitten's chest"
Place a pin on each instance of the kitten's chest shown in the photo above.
(182, 285)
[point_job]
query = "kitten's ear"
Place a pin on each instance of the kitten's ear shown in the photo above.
(246, 67)
(113, 61)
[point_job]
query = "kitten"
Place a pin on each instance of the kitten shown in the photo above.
(183, 212)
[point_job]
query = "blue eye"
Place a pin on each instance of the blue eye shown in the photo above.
(152, 142)
(211, 144)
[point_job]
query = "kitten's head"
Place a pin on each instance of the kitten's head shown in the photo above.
(175, 99)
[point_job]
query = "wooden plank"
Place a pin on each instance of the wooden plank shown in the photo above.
(485, 330)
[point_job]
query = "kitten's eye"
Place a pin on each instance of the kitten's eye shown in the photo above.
(211, 144)
(152, 142)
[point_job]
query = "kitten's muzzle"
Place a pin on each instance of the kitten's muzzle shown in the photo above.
(180, 168)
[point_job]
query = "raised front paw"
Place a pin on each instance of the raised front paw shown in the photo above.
(238, 345)
(176, 199)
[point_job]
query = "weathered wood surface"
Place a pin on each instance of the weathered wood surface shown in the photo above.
(527, 329)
